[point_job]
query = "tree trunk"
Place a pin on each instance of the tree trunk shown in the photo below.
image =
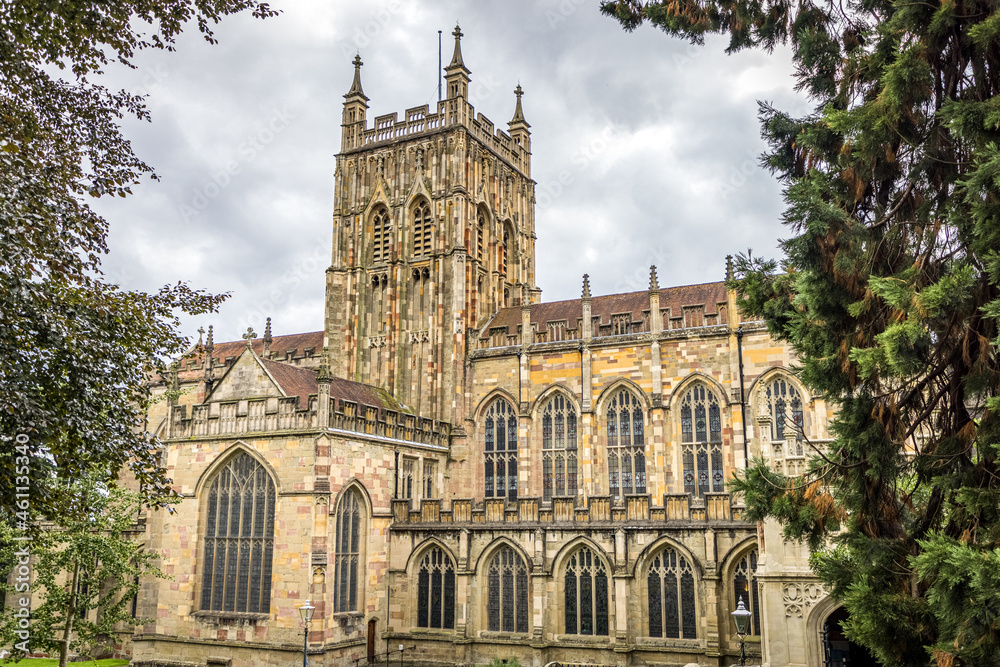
(70, 616)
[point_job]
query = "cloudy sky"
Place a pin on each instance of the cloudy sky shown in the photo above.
(644, 147)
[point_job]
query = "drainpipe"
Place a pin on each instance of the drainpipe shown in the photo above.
(743, 402)
(395, 475)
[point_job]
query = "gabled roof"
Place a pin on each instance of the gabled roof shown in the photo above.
(280, 347)
(674, 299)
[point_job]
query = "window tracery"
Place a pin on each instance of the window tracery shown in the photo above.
(381, 235)
(239, 538)
(626, 445)
(701, 441)
(784, 405)
(670, 598)
(559, 442)
(586, 594)
(422, 228)
(436, 591)
(500, 435)
(745, 587)
(507, 592)
(350, 526)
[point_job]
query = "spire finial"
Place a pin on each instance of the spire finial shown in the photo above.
(210, 341)
(729, 267)
(654, 284)
(518, 114)
(456, 59)
(201, 332)
(586, 286)
(356, 86)
(267, 339)
(323, 374)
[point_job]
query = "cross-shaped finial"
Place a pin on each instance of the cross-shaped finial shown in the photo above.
(458, 31)
(249, 335)
(357, 61)
(201, 331)
(518, 91)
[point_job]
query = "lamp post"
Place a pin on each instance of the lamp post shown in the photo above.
(742, 619)
(306, 611)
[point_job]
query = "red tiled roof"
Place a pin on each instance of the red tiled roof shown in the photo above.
(280, 346)
(673, 299)
(294, 381)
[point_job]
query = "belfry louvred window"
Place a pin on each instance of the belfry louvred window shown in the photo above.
(436, 591)
(507, 592)
(381, 235)
(239, 538)
(701, 441)
(626, 445)
(500, 445)
(422, 229)
(670, 596)
(586, 594)
(559, 426)
(348, 542)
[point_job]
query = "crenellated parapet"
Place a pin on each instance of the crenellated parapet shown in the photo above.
(599, 511)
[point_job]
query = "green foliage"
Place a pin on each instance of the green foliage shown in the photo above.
(76, 352)
(508, 662)
(85, 569)
(889, 292)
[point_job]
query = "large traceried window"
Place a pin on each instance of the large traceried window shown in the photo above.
(745, 587)
(626, 445)
(239, 538)
(422, 229)
(558, 448)
(500, 432)
(701, 441)
(671, 597)
(381, 235)
(348, 542)
(436, 591)
(507, 592)
(784, 405)
(586, 594)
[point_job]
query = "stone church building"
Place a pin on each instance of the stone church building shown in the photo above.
(458, 468)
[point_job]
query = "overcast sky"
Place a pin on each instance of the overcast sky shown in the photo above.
(645, 147)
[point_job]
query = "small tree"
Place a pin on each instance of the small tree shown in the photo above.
(90, 560)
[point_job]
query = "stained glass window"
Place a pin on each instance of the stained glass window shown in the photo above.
(701, 441)
(784, 404)
(239, 538)
(745, 587)
(558, 448)
(586, 594)
(348, 542)
(436, 591)
(626, 445)
(381, 235)
(507, 592)
(422, 228)
(670, 585)
(500, 440)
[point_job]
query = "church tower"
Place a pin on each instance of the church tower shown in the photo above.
(433, 232)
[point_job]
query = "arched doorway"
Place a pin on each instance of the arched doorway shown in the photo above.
(838, 650)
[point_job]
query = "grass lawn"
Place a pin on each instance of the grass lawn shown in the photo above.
(52, 662)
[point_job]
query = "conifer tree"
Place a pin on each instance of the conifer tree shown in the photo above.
(888, 292)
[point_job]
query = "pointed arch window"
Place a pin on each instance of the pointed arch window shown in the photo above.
(381, 235)
(626, 445)
(239, 538)
(507, 592)
(559, 438)
(784, 405)
(500, 434)
(422, 228)
(480, 236)
(701, 442)
(436, 591)
(586, 594)
(745, 587)
(504, 251)
(670, 596)
(349, 543)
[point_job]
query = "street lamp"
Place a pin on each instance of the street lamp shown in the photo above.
(742, 619)
(306, 611)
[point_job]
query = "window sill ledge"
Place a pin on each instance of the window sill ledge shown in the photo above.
(228, 617)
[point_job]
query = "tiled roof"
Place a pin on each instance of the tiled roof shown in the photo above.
(280, 347)
(294, 381)
(673, 299)
(347, 390)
